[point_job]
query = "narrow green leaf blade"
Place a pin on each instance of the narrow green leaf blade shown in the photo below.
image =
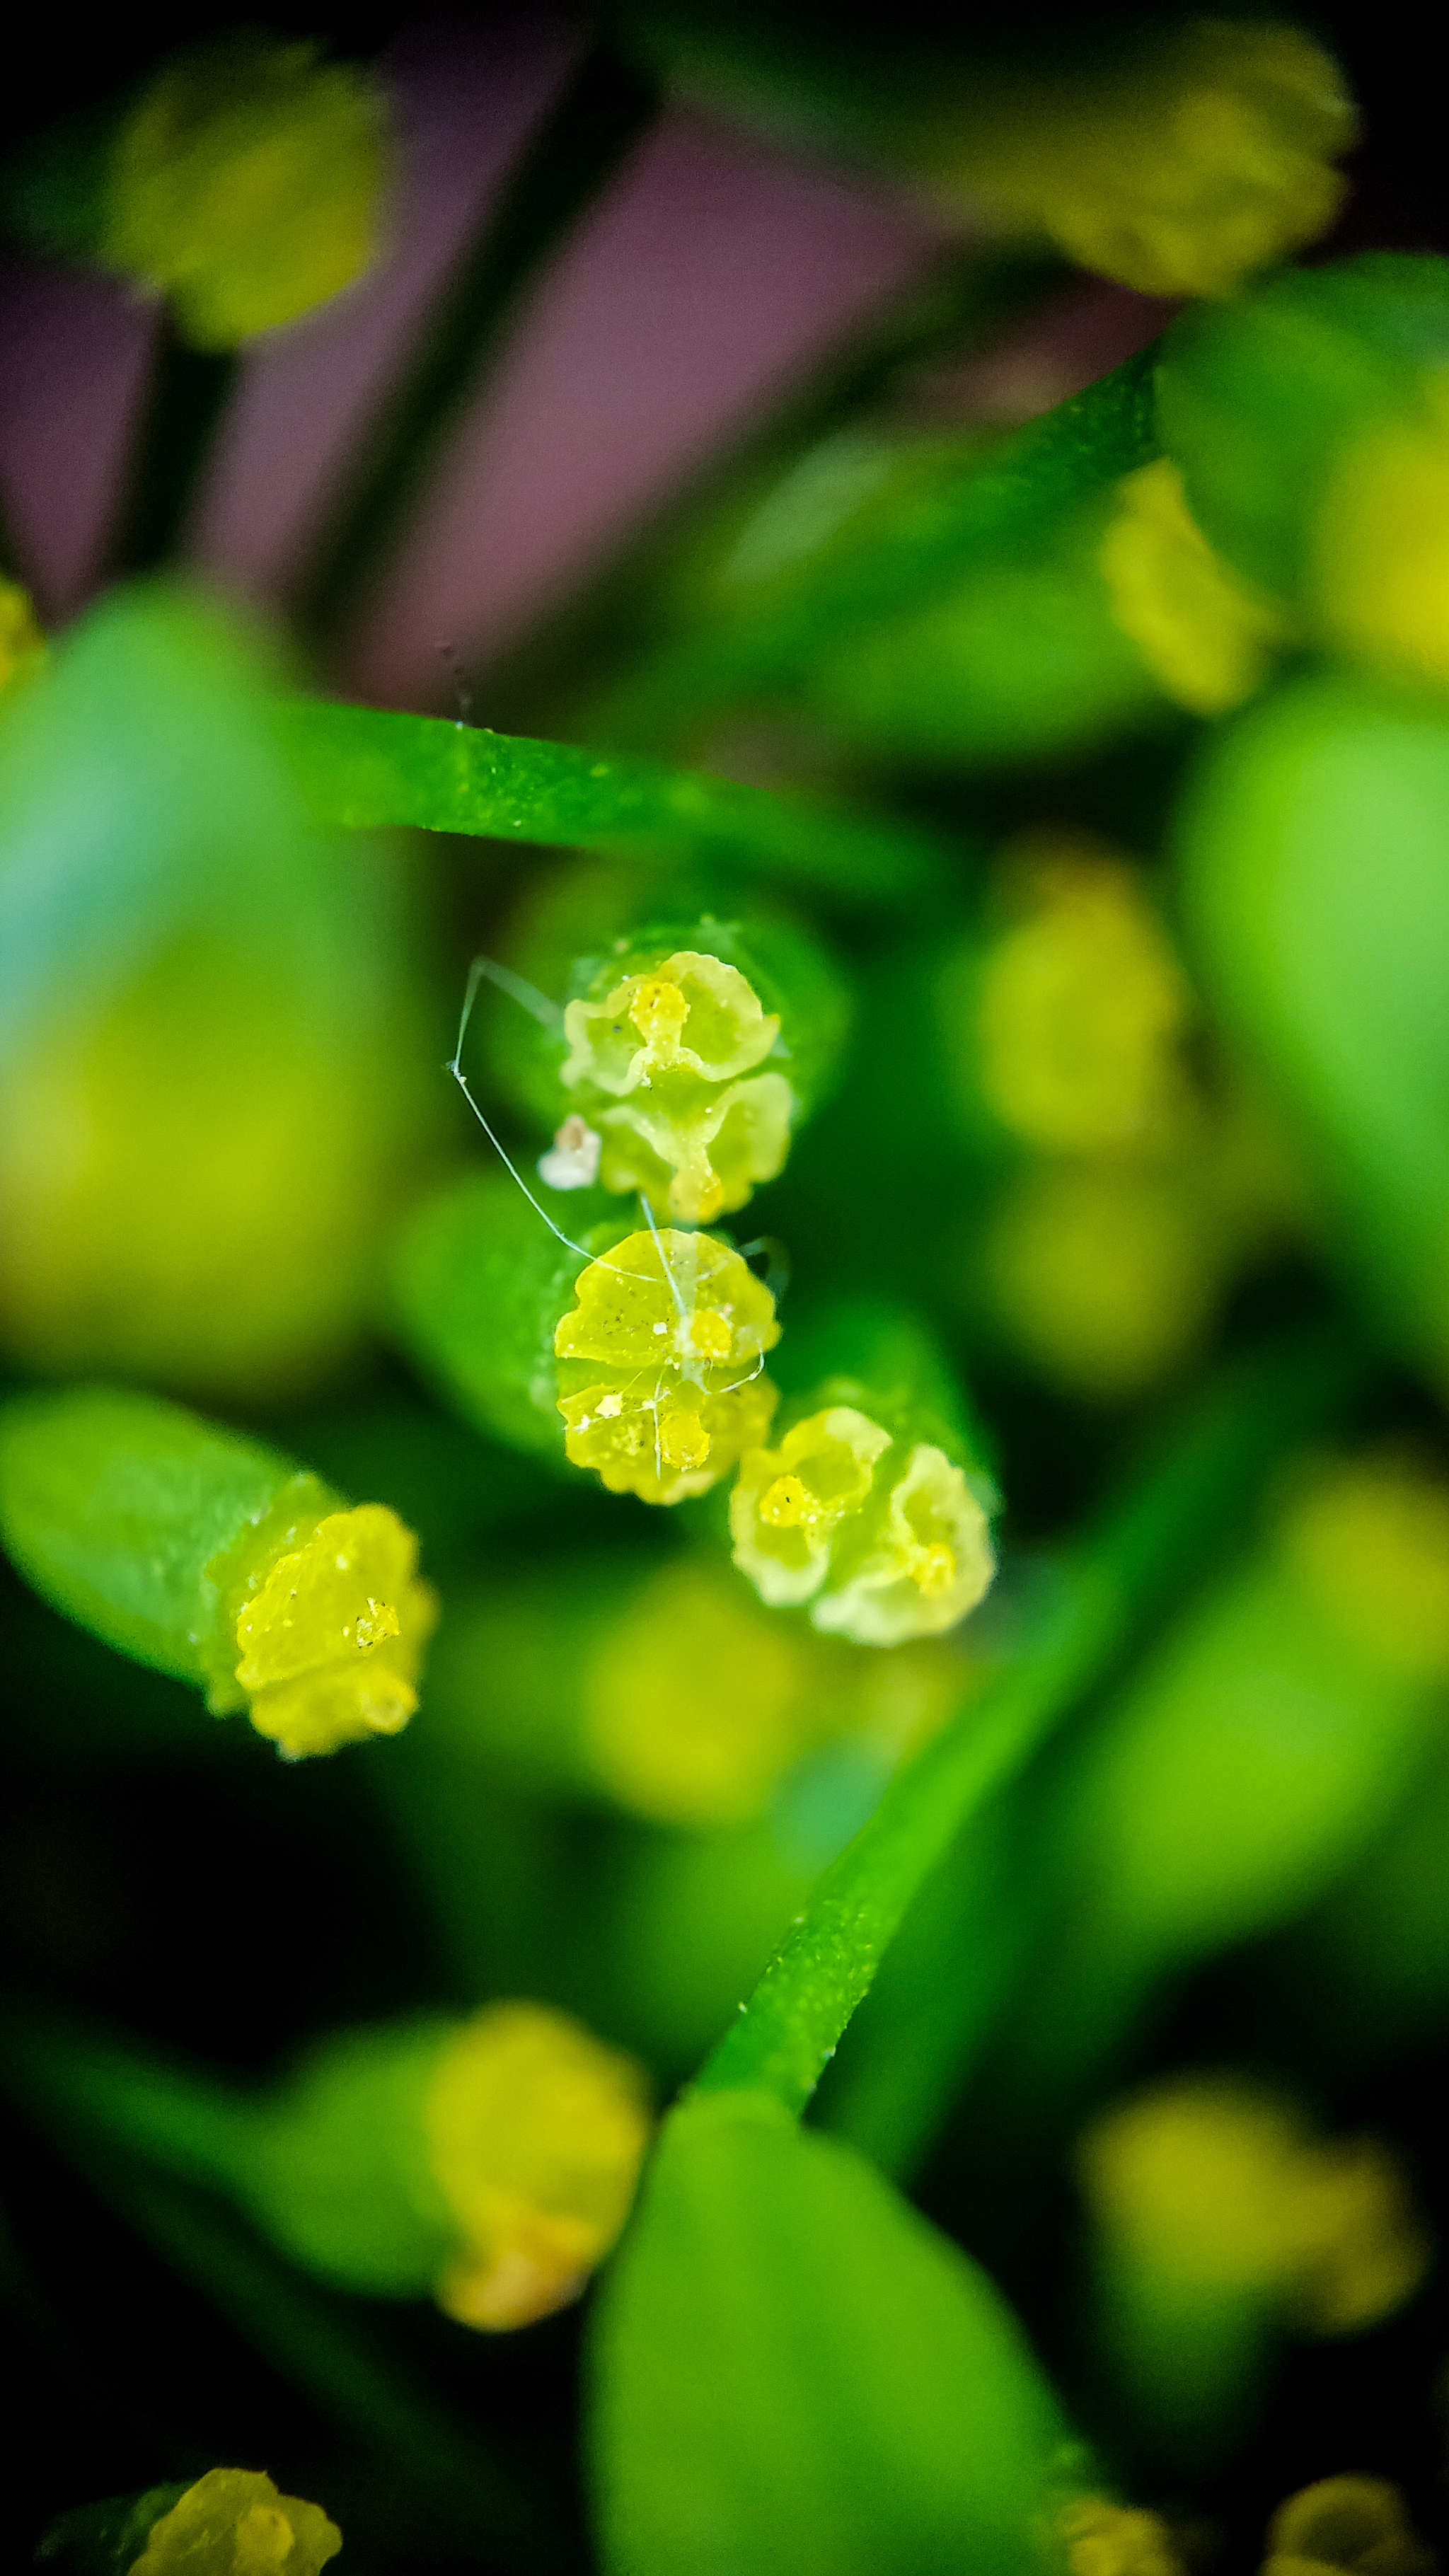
(363, 768)
(795, 2372)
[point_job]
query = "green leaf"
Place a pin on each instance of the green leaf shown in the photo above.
(795, 2372)
(932, 530)
(1312, 852)
(362, 768)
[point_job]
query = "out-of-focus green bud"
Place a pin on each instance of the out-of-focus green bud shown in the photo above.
(1222, 2221)
(874, 1507)
(214, 1050)
(1312, 855)
(244, 184)
(1177, 162)
(208, 1556)
(1310, 424)
(488, 2163)
(690, 1052)
(22, 645)
(660, 1365)
(663, 1688)
(1356, 2524)
(232, 2522)
(1208, 639)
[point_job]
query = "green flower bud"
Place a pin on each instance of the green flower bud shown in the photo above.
(232, 2522)
(210, 1557)
(244, 184)
(692, 1053)
(873, 1507)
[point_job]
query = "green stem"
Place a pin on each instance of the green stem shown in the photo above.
(932, 544)
(367, 769)
(1178, 1512)
(188, 392)
(602, 112)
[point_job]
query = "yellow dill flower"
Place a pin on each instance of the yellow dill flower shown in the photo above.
(233, 2522)
(1345, 2523)
(661, 1358)
(22, 645)
(245, 185)
(535, 2135)
(1206, 637)
(1083, 1012)
(1179, 167)
(884, 1538)
(694, 1703)
(1104, 1278)
(1225, 2185)
(331, 1631)
(1379, 573)
(661, 1060)
(1103, 2539)
(1369, 1537)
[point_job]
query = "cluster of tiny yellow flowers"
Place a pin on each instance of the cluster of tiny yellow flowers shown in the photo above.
(660, 1365)
(1179, 167)
(885, 1540)
(535, 2137)
(1099, 2538)
(331, 1632)
(233, 2522)
(1224, 2184)
(664, 1067)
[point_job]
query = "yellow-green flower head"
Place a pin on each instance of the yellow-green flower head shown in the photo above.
(22, 645)
(1099, 2538)
(1379, 560)
(234, 2523)
(1224, 2184)
(1180, 167)
(1369, 1539)
(245, 185)
(883, 1539)
(536, 2134)
(1206, 637)
(663, 1066)
(1104, 1277)
(1360, 2525)
(661, 1354)
(331, 1631)
(1084, 1012)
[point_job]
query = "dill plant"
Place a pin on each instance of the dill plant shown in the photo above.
(908, 1337)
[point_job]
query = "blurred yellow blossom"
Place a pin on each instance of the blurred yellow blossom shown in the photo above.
(246, 184)
(1357, 2524)
(536, 2134)
(1207, 639)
